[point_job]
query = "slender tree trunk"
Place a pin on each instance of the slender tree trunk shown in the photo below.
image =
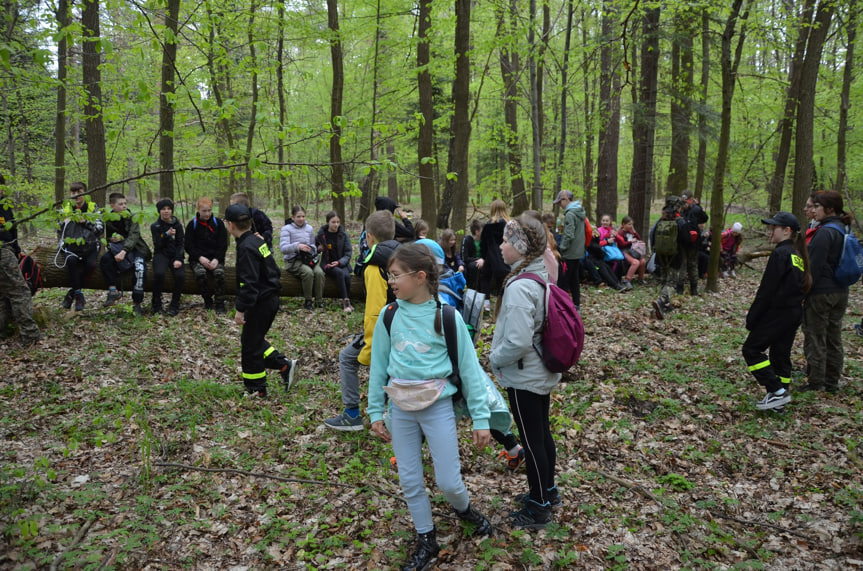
(536, 193)
(455, 191)
(224, 123)
(609, 115)
(589, 122)
(564, 73)
(509, 70)
(60, 117)
(425, 143)
(253, 115)
(804, 165)
(681, 108)
(10, 130)
(845, 101)
(24, 130)
(392, 179)
(166, 101)
(641, 179)
(280, 86)
(337, 170)
(701, 166)
(96, 158)
(717, 198)
(792, 96)
(369, 183)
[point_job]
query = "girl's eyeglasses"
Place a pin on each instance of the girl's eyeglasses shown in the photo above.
(395, 277)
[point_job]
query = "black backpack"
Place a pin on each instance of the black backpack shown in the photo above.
(450, 335)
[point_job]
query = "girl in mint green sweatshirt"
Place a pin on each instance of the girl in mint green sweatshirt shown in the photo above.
(411, 366)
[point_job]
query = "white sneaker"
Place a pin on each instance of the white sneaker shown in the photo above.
(733, 274)
(486, 305)
(774, 400)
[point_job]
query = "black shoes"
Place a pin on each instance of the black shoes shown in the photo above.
(481, 523)
(553, 498)
(532, 516)
(424, 554)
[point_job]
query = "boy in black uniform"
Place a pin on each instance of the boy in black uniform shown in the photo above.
(777, 310)
(168, 237)
(257, 303)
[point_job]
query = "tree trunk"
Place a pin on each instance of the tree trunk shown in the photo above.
(10, 129)
(253, 115)
(589, 128)
(804, 166)
(392, 179)
(609, 115)
(509, 70)
(701, 166)
(60, 117)
(224, 122)
(370, 182)
(845, 101)
(166, 102)
(644, 125)
(455, 191)
(337, 169)
(681, 107)
(97, 169)
(536, 192)
(717, 198)
(792, 95)
(425, 142)
(564, 72)
(280, 86)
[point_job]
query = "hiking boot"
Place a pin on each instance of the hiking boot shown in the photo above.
(80, 302)
(532, 516)
(220, 309)
(173, 310)
(345, 423)
(481, 523)
(156, 310)
(858, 327)
(679, 289)
(512, 462)
(287, 373)
(309, 305)
(137, 310)
(208, 303)
(553, 497)
(113, 297)
(773, 400)
(425, 552)
(69, 299)
(658, 310)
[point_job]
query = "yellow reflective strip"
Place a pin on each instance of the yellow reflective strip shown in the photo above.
(760, 365)
(265, 250)
(268, 351)
(242, 284)
(785, 380)
(260, 375)
(797, 262)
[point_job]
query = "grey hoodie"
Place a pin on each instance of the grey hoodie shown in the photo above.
(572, 241)
(514, 358)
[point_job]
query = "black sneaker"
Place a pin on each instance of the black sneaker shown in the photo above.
(80, 302)
(553, 498)
(481, 524)
(69, 299)
(532, 516)
(173, 311)
(220, 309)
(773, 400)
(287, 373)
(137, 310)
(858, 327)
(113, 297)
(309, 305)
(424, 554)
(658, 310)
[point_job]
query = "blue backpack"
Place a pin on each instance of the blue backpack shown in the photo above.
(850, 266)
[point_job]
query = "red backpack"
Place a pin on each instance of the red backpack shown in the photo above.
(562, 329)
(32, 272)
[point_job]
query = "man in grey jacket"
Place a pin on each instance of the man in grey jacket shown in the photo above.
(571, 244)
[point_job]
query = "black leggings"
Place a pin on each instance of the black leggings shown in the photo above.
(530, 412)
(342, 277)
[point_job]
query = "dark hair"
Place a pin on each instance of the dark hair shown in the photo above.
(803, 251)
(242, 225)
(625, 220)
(548, 219)
(537, 241)
(420, 226)
(77, 186)
(475, 226)
(330, 215)
(833, 200)
(115, 196)
(296, 209)
(418, 258)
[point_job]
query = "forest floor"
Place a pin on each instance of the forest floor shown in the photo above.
(127, 444)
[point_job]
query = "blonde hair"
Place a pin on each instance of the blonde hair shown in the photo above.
(498, 210)
(381, 225)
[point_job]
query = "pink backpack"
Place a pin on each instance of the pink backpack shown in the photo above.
(562, 329)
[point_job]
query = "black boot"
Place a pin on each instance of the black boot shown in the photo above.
(425, 552)
(481, 524)
(532, 516)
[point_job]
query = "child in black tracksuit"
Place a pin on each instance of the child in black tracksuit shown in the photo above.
(168, 254)
(257, 303)
(777, 311)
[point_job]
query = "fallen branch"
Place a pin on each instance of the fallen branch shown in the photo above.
(761, 524)
(75, 541)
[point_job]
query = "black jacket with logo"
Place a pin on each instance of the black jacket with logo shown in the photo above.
(781, 285)
(257, 272)
(164, 243)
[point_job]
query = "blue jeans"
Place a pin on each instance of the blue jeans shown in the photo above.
(437, 423)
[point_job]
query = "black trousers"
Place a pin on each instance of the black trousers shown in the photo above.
(775, 332)
(530, 412)
(570, 280)
(257, 353)
(161, 265)
(342, 277)
(112, 273)
(80, 269)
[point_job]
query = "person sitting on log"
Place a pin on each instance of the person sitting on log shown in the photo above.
(127, 251)
(207, 243)
(261, 223)
(168, 241)
(335, 247)
(79, 232)
(302, 258)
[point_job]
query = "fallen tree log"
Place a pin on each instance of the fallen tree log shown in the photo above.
(53, 276)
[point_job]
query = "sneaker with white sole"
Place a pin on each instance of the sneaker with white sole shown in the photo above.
(345, 423)
(774, 400)
(287, 373)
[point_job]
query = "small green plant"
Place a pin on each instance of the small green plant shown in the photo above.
(616, 556)
(676, 482)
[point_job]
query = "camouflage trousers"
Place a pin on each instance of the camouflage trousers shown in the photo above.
(16, 306)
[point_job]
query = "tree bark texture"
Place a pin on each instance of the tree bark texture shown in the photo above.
(845, 101)
(535, 105)
(509, 70)
(589, 114)
(455, 191)
(97, 169)
(337, 170)
(681, 103)
(166, 102)
(280, 87)
(701, 161)
(609, 114)
(804, 165)
(60, 117)
(425, 143)
(253, 111)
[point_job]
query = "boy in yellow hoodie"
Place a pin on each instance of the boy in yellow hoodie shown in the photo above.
(380, 231)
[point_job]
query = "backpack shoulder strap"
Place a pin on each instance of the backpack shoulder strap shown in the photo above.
(389, 314)
(451, 335)
(836, 227)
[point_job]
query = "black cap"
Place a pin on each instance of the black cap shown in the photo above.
(783, 219)
(237, 213)
(165, 202)
(563, 194)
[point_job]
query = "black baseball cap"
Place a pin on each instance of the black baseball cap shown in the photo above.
(237, 213)
(783, 219)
